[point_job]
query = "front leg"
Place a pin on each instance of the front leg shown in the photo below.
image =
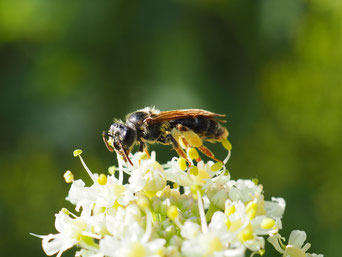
(143, 148)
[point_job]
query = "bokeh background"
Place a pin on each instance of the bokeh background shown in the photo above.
(67, 68)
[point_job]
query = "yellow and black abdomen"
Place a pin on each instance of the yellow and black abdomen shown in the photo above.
(207, 129)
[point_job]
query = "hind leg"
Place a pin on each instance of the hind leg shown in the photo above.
(177, 148)
(191, 139)
(208, 153)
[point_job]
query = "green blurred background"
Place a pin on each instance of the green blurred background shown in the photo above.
(67, 68)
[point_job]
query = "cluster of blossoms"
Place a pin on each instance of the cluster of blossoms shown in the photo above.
(168, 210)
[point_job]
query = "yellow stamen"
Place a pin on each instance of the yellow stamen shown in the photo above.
(246, 234)
(251, 206)
(193, 170)
(68, 176)
(77, 152)
(251, 214)
(251, 209)
(116, 204)
(182, 163)
(267, 223)
(261, 252)
(230, 210)
(172, 212)
(228, 223)
(175, 185)
(111, 170)
(193, 154)
(255, 181)
(87, 240)
(226, 144)
(216, 166)
(102, 179)
(65, 211)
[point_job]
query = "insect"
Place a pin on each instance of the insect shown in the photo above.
(182, 129)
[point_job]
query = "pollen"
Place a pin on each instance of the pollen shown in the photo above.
(172, 212)
(77, 152)
(251, 206)
(216, 166)
(193, 170)
(182, 163)
(226, 144)
(102, 179)
(116, 204)
(175, 186)
(228, 223)
(267, 223)
(65, 211)
(193, 154)
(246, 234)
(193, 139)
(251, 214)
(230, 210)
(68, 176)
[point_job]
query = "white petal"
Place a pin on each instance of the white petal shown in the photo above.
(239, 252)
(275, 208)
(314, 255)
(53, 244)
(297, 238)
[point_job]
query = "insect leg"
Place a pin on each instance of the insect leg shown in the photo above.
(208, 153)
(180, 127)
(143, 148)
(109, 147)
(177, 148)
(190, 138)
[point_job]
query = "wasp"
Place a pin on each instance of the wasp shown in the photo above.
(183, 129)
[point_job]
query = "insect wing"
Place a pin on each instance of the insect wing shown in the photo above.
(179, 114)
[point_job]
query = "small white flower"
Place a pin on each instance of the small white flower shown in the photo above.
(149, 176)
(295, 247)
(129, 247)
(275, 208)
(71, 232)
(190, 230)
(204, 214)
(243, 190)
(218, 191)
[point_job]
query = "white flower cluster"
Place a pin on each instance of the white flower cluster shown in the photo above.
(170, 210)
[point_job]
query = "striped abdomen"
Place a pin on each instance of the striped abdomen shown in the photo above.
(207, 129)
